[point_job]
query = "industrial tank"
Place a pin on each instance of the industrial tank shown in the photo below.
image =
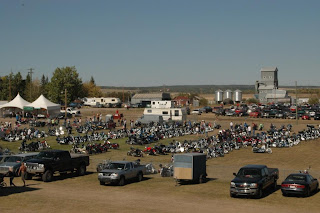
(227, 94)
(219, 96)
(237, 95)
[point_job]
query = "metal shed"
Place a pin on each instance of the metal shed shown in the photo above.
(146, 98)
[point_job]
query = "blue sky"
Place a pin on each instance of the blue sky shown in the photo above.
(163, 42)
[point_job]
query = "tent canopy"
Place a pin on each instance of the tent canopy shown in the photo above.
(17, 102)
(43, 103)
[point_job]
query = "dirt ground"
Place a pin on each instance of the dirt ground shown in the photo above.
(157, 194)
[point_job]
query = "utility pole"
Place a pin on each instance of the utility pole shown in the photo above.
(65, 103)
(30, 72)
(296, 104)
(10, 87)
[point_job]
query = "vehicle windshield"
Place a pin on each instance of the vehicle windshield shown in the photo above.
(13, 159)
(249, 173)
(48, 155)
(296, 178)
(118, 166)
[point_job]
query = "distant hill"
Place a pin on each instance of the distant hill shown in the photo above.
(199, 89)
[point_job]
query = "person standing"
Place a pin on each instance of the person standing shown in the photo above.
(249, 130)
(11, 175)
(22, 171)
(231, 125)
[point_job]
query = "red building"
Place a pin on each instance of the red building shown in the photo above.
(181, 101)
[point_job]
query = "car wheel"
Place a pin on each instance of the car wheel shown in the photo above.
(308, 192)
(275, 185)
(102, 183)
(81, 170)
(140, 177)
(122, 181)
(202, 179)
(47, 176)
(232, 195)
(259, 194)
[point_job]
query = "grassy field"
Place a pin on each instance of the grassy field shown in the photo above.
(158, 194)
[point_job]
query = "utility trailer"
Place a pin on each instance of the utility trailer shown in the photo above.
(190, 167)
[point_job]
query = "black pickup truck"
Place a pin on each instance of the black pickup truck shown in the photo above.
(48, 162)
(252, 180)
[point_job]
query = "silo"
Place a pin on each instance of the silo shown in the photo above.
(219, 96)
(227, 94)
(237, 96)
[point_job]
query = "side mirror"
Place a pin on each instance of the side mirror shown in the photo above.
(234, 174)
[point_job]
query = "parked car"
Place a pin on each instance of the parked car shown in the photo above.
(292, 116)
(255, 114)
(305, 117)
(299, 184)
(230, 112)
(121, 171)
(279, 114)
(14, 162)
(46, 163)
(252, 180)
(316, 116)
(206, 109)
(196, 112)
(62, 115)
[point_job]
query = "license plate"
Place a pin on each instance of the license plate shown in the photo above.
(292, 187)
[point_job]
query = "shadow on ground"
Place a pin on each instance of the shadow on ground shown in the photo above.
(6, 191)
(62, 176)
(131, 181)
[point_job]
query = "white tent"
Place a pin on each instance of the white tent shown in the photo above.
(17, 102)
(43, 103)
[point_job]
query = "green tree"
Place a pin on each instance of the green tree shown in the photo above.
(252, 101)
(18, 85)
(65, 78)
(203, 102)
(43, 85)
(313, 100)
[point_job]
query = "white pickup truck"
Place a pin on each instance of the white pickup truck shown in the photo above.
(71, 111)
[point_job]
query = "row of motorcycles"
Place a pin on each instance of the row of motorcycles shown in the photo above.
(94, 148)
(218, 146)
(34, 146)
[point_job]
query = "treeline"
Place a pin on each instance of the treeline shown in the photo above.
(64, 81)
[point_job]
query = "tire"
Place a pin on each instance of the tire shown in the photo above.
(140, 177)
(122, 181)
(27, 176)
(274, 185)
(259, 194)
(202, 179)
(82, 170)
(232, 195)
(308, 192)
(47, 176)
(102, 183)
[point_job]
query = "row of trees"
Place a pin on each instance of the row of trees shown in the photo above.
(63, 79)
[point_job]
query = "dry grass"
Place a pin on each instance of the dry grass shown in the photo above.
(156, 194)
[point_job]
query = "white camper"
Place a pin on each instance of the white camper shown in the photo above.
(173, 114)
(105, 102)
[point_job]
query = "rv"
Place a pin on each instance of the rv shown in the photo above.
(168, 114)
(102, 102)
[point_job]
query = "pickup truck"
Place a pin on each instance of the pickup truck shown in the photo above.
(71, 111)
(120, 171)
(46, 163)
(252, 180)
